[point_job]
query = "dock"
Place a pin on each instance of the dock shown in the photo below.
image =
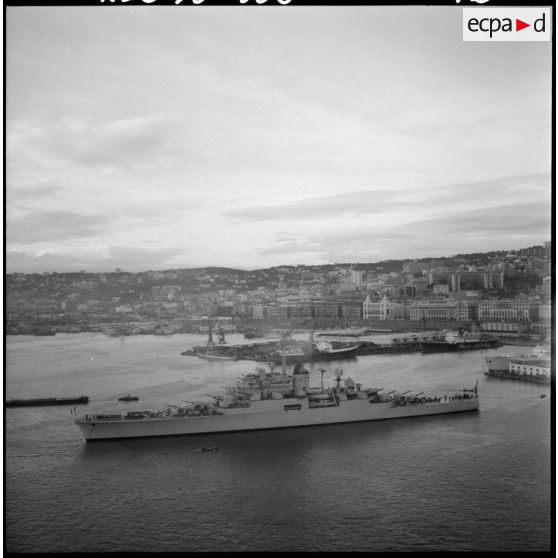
(45, 401)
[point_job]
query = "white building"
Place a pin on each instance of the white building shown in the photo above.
(383, 309)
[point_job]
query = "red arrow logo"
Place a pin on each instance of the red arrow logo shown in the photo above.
(519, 25)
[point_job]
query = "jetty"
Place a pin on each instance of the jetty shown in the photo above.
(81, 400)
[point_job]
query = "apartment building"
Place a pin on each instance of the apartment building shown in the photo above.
(475, 279)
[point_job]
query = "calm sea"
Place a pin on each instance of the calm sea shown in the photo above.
(470, 482)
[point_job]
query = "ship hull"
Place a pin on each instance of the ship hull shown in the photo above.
(374, 349)
(339, 354)
(215, 357)
(432, 346)
(285, 413)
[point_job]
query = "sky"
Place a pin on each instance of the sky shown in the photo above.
(161, 137)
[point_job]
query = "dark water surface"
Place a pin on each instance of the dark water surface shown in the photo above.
(472, 482)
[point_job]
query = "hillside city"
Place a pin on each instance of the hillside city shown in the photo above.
(508, 293)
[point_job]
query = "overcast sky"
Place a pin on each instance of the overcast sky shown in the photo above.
(158, 137)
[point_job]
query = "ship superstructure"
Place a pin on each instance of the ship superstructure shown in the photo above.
(275, 399)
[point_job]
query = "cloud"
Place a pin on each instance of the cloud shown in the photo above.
(122, 142)
(507, 189)
(73, 141)
(53, 225)
(505, 227)
(32, 192)
(474, 195)
(359, 202)
(93, 259)
(529, 218)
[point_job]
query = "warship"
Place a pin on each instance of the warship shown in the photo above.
(269, 399)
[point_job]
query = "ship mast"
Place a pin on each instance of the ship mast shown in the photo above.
(283, 358)
(210, 335)
(339, 373)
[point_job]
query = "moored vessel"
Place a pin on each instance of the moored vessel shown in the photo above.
(460, 340)
(275, 399)
(330, 350)
(129, 398)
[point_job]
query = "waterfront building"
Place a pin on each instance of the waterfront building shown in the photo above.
(504, 310)
(536, 367)
(383, 309)
(326, 310)
(351, 312)
(468, 310)
(437, 310)
(374, 310)
(276, 312)
(508, 328)
(300, 310)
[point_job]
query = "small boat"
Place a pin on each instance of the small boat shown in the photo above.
(129, 398)
(209, 449)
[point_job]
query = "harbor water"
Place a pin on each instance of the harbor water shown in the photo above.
(478, 481)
